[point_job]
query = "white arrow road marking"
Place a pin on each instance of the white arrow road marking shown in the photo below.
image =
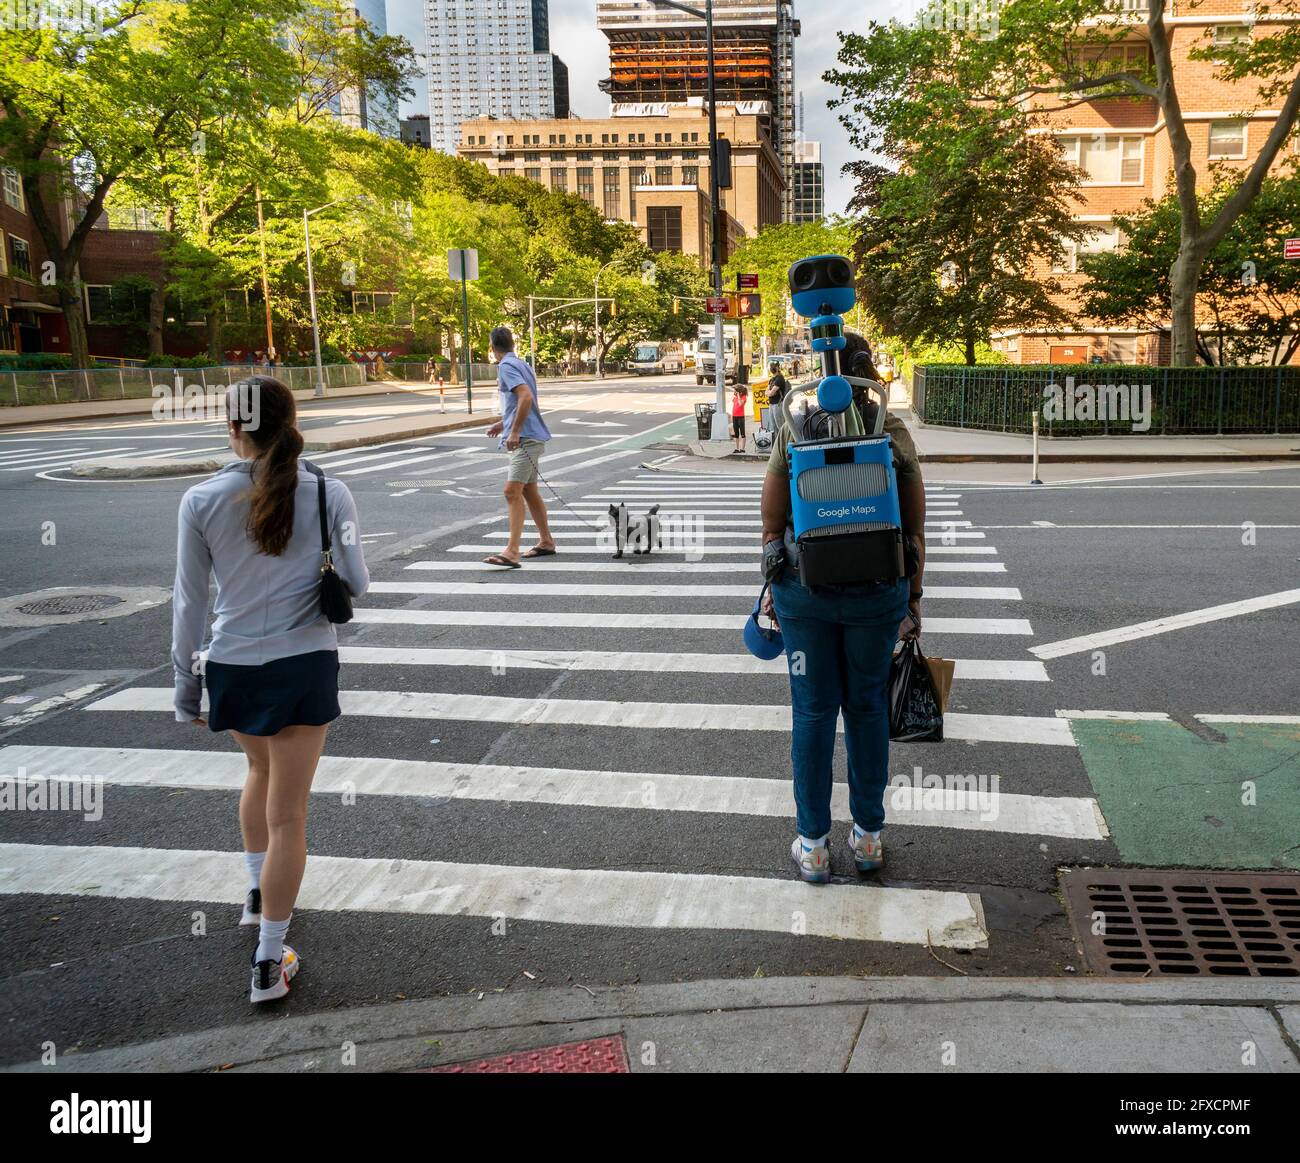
(1165, 624)
(595, 423)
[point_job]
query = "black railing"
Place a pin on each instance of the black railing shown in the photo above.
(1175, 401)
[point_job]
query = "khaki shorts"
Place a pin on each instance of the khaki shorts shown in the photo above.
(524, 461)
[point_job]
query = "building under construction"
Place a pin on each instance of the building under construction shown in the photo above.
(658, 57)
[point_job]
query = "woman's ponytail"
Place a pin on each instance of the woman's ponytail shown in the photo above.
(275, 435)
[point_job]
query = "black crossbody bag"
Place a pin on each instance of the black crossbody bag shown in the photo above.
(335, 600)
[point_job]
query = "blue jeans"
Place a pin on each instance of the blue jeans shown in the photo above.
(838, 646)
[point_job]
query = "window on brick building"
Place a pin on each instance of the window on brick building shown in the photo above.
(1105, 160)
(611, 199)
(664, 228)
(560, 179)
(20, 257)
(1231, 35)
(1227, 139)
(1102, 240)
(587, 184)
(13, 188)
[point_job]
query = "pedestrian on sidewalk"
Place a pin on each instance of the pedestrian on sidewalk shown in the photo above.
(777, 385)
(522, 432)
(843, 638)
(272, 666)
(738, 397)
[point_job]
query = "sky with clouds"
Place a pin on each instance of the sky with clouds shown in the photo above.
(583, 48)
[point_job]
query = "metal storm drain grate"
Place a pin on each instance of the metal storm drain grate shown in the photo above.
(68, 604)
(594, 1056)
(1139, 922)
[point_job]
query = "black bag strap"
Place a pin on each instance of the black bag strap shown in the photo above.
(320, 497)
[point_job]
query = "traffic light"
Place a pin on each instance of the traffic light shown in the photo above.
(748, 305)
(677, 305)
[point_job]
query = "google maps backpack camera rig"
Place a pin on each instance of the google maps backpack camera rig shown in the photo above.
(843, 490)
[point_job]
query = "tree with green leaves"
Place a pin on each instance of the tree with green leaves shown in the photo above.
(84, 107)
(1249, 293)
(769, 255)
(1050, 55)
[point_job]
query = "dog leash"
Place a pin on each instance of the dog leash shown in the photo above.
(556, 495)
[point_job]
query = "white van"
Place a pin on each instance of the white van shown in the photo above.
(657, 359)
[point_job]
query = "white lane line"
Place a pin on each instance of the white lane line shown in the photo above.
(7, 450)
(49, 462)
(424, 457)
(625, 900)
(369, 456)
(36, 710)
(1117, 716)
(601, 459)
(691, 590)
(627, 715)
(653, 564)
(1283, 720)
(1067, 816)
(718, 520)
(11, 455)
(723, 533)
(1006, 670)
(590, 546)
(1164, 625)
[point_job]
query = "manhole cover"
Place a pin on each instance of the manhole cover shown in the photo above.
(1139, 922)
(594, 1056)
(64, 605)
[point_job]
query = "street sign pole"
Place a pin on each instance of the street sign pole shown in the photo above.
(469, 374)
(462, 263)
(741, 376)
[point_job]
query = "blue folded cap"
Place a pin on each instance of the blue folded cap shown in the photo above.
(762, 642)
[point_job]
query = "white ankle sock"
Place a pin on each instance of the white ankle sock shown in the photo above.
(809, 845)
(270, 939)
(859, 832)
(253, 862)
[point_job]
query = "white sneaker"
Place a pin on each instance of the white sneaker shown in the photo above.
(814, 863)
(271, 978)
(868, 854)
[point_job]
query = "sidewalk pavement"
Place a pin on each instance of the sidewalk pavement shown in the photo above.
(102, 409)
(804, 1024)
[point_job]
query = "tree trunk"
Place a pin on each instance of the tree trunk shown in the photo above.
(213, 320)
(157, 319)
(74, 318)
(970, 351)
(1184, 277)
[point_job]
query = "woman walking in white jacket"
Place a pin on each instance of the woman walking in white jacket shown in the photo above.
(271, 669)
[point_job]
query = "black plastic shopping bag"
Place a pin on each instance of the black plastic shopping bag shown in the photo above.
(915, 710)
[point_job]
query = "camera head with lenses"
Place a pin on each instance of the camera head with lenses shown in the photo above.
(821, 289)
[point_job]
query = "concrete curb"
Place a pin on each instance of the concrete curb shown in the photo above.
(110, 470)
(770, 1023)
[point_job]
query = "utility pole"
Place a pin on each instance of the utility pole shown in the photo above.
(720, 427)
(266, 282)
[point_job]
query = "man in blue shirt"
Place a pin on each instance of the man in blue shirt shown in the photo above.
(523, 434)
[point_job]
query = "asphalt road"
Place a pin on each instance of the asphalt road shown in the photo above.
(544, 803)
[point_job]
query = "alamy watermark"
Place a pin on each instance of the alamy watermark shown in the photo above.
(19, 793)
(979, 17)
(1114, 403)
(181, 401)
(74, 16)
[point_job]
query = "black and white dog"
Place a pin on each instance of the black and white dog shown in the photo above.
(639, 534)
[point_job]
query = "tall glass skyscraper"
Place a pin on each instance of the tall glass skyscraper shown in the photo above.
(368, 109)
(490, 58)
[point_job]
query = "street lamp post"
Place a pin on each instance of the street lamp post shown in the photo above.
(720, 429)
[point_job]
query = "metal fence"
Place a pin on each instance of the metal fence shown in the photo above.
(125, 383)
(1184, 401)
(487, 372)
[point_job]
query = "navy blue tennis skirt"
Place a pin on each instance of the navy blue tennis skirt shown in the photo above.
(301, 690)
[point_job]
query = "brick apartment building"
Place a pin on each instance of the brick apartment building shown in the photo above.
(651, 171)
(30, 320)
(1123, 146)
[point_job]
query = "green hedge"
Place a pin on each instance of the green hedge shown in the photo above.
(1183, 400)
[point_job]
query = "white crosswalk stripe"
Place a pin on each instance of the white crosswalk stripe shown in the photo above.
(408, 648)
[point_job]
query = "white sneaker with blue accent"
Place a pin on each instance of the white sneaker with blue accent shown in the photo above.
(868, 851)
(813, 859)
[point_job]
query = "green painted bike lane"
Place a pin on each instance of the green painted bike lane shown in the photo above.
(1173, 798)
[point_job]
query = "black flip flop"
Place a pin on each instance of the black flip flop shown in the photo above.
(497, 559)
(538, 551)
